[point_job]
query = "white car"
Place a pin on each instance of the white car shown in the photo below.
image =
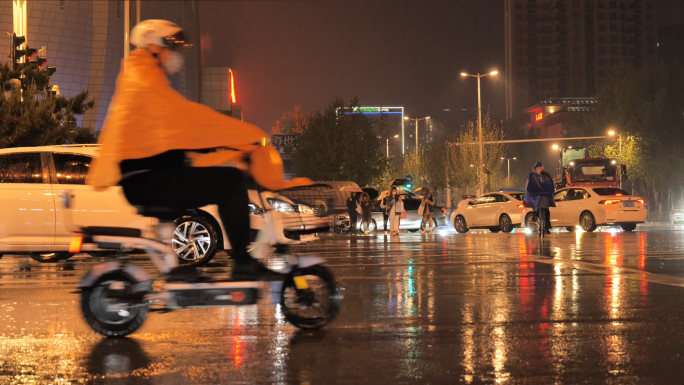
(32, 221)
(496, 211)
(590, 207)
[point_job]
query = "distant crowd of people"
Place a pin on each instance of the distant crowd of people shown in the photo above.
(393, 211)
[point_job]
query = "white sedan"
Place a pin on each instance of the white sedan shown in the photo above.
(32, 221)
(590, 207)
(496, 211)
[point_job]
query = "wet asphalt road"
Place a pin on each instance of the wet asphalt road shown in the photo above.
(605, 307)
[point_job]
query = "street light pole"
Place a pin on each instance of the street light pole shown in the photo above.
(416, 120)
(395, 136)
(509, 168)
(479, 123)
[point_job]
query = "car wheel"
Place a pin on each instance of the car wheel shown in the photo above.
(460, 224)
(532, 222)
(494, 229)
(194, 240)
(50, 257)
(629, 226)
(505, 223)
(571, 228)
(587, 222)
(434, 224)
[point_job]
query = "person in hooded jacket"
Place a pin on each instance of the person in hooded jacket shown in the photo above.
(162, 149)
(539, 190)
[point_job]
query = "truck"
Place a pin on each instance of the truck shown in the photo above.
(576, 169)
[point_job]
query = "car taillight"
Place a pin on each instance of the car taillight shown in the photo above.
(642, 202)
(521, 206)
(443, 210)
(610, 201)
(75, 245)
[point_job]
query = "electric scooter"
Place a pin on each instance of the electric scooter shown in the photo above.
(117, 296)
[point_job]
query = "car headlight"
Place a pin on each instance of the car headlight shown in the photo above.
(304, 209)
(280, 205)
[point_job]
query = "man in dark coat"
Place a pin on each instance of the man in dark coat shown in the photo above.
(539, 191)
(351, 210)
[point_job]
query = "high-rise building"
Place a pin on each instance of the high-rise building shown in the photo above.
(565, 48)
(671, 43)
(85, 40)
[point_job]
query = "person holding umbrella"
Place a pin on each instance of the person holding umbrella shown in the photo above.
(366, 220)
(425, 209)
(396, 210)
(352, 205)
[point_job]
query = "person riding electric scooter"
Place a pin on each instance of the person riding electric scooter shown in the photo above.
(163, 149)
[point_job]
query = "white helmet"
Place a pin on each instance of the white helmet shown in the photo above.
(157, 32)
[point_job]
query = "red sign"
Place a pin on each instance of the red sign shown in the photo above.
(538, 116)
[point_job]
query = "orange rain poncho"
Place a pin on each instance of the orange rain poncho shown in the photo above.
(147, 117)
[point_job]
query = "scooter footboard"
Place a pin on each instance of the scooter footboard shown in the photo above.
(186, 295)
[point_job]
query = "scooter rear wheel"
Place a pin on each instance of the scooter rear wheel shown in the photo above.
(315, 306)
(95, 307)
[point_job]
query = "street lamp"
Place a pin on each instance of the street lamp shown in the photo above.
(395, 136)
(613, 133)
(479, 120)
(509, 167)
(555, 147)
(416, 120)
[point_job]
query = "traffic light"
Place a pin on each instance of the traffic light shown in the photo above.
(408, 185)
(17, 52)
(41, 58)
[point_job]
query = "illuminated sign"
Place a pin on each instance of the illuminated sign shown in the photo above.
(538, 116)
(372, 110)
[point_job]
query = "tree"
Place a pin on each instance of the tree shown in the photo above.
(35, 117)
(464, 154)
(645, 106)
(339, 147)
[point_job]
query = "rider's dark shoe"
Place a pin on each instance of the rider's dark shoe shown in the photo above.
(254, 270)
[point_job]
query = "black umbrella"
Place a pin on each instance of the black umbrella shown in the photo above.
(372, 193)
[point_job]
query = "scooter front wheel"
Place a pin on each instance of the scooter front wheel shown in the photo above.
(312, 303)
(108, 316)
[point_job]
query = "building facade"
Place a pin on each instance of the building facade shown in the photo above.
(671, 43)
(549, 118)
(565, 48)
(85, 41)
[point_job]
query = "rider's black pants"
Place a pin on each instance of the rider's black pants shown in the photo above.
(546, 216)
(194, 187)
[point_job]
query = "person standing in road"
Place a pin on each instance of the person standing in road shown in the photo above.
(396, 207)
(426, 207)
(351, 210)
(385, 212)
(365, 212)
(539, 191)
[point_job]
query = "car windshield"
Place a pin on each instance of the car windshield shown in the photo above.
(519, 196)
(602, 170)
(606, 191)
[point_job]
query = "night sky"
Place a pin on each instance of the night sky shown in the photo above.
(391, 53)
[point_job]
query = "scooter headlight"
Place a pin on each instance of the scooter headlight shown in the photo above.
(280, 205)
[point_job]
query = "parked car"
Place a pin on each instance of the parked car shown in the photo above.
(32, 221)
(590, 207)
(677, 213)
(496, 211)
